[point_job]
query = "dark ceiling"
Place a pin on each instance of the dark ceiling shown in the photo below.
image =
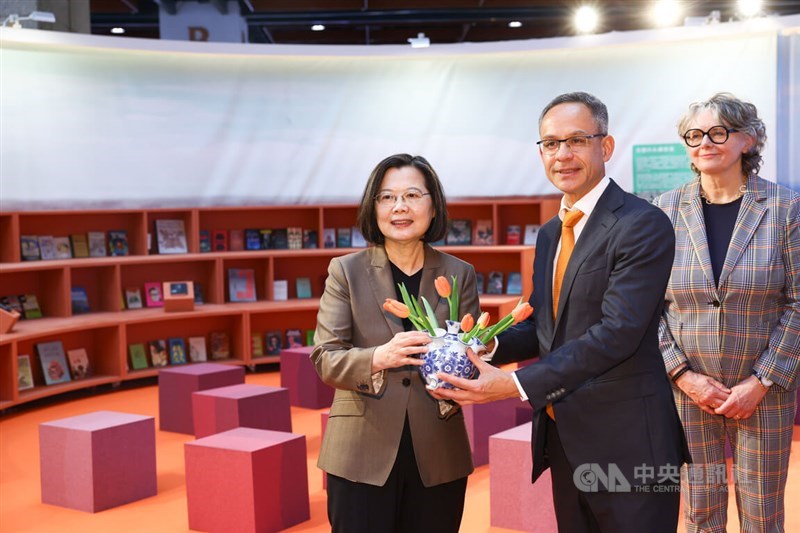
(393, 22)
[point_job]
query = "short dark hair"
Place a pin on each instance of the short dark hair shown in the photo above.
(367, 218)
(596, 106)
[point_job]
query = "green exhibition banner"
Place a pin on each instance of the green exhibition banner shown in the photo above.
(658, 168)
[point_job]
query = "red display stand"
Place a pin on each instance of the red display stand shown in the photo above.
(514, 502)
(298, 375)
(252, 406)
(246, 480)
(176, 385)
(486, 419)
(98, 460)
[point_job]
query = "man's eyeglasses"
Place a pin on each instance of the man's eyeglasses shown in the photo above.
(717, 135)
(576, 143)
(410, 197)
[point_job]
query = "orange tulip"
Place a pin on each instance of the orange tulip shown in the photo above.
(483, 320)
(398, 309)
(467, 322)
(521, 312)
(442, 286)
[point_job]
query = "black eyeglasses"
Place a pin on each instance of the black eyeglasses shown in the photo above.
(576, 143)
(716, 134)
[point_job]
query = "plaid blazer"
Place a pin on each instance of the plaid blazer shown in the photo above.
(753, 317)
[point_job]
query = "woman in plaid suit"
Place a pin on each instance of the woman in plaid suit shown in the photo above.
(730, 331)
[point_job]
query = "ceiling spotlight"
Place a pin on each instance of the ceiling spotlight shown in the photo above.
(420, 41)
(515, 24)
(318, 27)
(586, 19)
(666, 12)
(749, 8)
(117, 31)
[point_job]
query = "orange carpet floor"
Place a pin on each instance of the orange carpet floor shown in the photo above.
(22, 511)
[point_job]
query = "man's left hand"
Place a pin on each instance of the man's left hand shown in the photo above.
(743, 400)
(492, 384)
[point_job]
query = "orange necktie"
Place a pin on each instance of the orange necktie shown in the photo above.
(567, 245)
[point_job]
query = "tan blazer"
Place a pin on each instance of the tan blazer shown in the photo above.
(368, 412)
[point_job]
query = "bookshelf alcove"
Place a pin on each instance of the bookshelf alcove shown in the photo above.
(108, 330)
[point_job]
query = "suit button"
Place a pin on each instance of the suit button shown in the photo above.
(406, 382)
(715, 303)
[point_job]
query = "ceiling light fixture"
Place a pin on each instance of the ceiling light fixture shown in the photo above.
(318, 27)
(14, 20)
(420, 41)
(515, 24)
(117, 31)
(586, 19)
(749, 8)
(666, 13)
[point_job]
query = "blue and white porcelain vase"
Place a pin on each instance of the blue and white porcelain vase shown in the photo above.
(447, 354)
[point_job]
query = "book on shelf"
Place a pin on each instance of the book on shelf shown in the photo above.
(241, 285)
(237, 240)
(251, 240)
(133, 298)
(198, 293)
(531, 233)
(219, 240)
(47, 247)
(80, 301)
(220, 345)
(303, 287)
(153, 297)
(514, 284)
(150, 249)
(459, 232)
(483, 233)
(343, 238)
(177, 351)
(205, 241)
(294, 236)
(63, 248)
(97, 244)
(357, 239)
(256, 345)
(53, 361)
(274, 343)
(279, 239)
(310, 337)
(294, 338)
(79, 363)
(480, 282)
(118, 242)
(280, 290)
(29, 247)
(310, 238)
(171, 236)
(80, 245)
(30, 306)
(158, 352)
(266, 238)
(513, 234)
(494, 284)
(138, 356)
(24, 372)
(12, 302)
(328, 238)
(197, 349)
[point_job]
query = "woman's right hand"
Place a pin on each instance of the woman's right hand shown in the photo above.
(401, 350)
(706, 392)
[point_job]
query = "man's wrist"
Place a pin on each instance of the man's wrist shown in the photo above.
(764, 382)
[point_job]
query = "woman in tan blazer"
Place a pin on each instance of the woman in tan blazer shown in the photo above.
(397, 459)
(730, 331)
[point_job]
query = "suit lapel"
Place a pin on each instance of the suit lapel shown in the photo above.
(750, 214)
(691, 211)
(432, 269)
(379, 275)
(552, 232)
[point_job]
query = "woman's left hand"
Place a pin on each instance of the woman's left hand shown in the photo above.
(743, 400)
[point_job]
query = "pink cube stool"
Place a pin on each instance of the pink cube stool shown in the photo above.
(514, 502)
(175, 388)
(298, 375)
(251, 406)
(247, 479)
(98, 460)
(484, 420)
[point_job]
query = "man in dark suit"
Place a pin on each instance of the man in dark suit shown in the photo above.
(604, 418)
